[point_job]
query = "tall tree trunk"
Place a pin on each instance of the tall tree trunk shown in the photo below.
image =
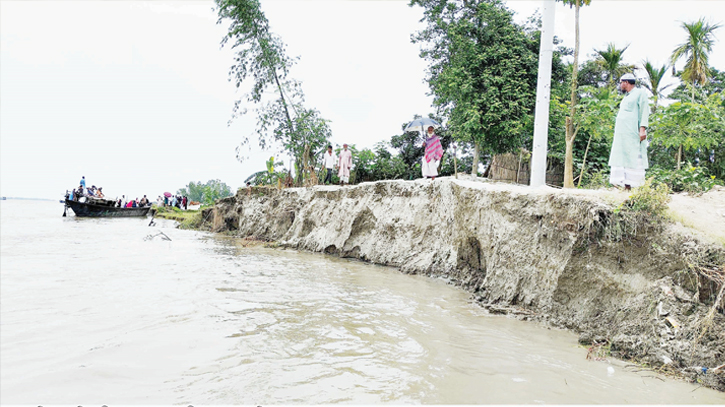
(569, 157)
(476, 153)
(679, 157)
(570, 132)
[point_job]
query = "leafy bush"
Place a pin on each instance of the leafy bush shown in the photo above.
(651, 198)
(596, 180)
(275, 172)
(689, 179)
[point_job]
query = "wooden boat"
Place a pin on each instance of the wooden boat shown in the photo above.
(103, 208)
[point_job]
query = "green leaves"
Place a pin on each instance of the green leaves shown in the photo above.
(689, 125)
(482, 70)
(206, 193)
(696, 49)
(261, 57)
(610, 59)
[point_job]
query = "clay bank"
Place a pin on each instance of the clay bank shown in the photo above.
(637, 289)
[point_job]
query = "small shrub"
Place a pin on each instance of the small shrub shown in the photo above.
(596, 180)
(650, 198)
(688, 179)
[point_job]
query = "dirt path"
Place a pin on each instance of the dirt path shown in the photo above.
(705, 213)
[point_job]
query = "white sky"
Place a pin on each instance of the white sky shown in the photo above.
(134, 94)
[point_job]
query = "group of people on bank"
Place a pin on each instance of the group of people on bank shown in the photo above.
(178, 201)
(627, 159)
(343, 163)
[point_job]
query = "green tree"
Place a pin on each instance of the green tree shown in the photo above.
(261, 56)
(570, 121)
(481, 72)
(684, 91)
(689, 126)
(275, 171)
(654, 81)
(206, 193)
(597, 114)
(696, 50)
(611, 60)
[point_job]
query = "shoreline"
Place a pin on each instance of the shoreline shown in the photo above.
(535, 254)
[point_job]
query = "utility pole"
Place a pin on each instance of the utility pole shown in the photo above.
(543, 95)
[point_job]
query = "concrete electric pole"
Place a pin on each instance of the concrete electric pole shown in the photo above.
(543, 95)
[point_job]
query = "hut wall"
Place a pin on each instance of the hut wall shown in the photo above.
(515, 169)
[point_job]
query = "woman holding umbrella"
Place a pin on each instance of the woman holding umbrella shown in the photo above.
(433, 154)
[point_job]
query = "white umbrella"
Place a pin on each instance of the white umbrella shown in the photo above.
(422, 124)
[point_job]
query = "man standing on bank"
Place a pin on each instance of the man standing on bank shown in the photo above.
(345, 164)
(433, 154)
(628, 158)
(329, 162)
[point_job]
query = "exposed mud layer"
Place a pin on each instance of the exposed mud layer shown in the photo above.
(531, 253)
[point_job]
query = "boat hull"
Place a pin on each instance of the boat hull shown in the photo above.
(83, 209)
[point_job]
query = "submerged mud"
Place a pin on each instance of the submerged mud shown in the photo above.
(543, 255)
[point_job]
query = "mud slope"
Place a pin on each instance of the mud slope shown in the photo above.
(538, 254)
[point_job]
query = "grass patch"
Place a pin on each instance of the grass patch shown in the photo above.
(190, 219)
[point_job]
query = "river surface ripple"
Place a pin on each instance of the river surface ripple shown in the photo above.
(93, 312)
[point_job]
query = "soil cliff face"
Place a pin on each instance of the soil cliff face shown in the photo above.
(538, 254)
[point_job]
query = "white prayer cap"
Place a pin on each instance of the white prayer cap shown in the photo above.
(628, 77)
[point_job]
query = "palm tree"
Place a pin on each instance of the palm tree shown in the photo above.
(654, 84)
(570, 127)
(696, 52)
(610, 60)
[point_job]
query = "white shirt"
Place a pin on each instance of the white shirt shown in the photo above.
(330, 160)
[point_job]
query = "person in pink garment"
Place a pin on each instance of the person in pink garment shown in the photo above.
(345, 164)
(433, 154)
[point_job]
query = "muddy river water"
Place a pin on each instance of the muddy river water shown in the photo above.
(95, 311)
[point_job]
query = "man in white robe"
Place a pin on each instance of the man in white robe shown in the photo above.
(345, 164)
(628, 158)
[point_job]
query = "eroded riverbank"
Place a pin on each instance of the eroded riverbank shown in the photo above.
(640, 294)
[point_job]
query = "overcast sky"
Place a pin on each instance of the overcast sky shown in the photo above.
(136, 97)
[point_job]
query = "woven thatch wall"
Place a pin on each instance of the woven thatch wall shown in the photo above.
(515, 168)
